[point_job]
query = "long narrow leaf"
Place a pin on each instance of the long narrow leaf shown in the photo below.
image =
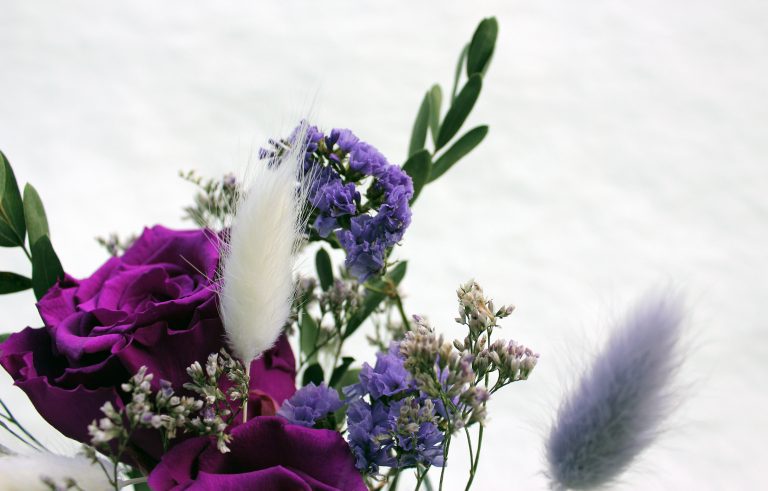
(34, 214)
(418, 167)
(46, 267)
(459, 110)
(435, 103)
(457, 151)
(419, 132)
(324, 269)
(457, 75)
(12, 282)
(12, 226)
(482, 46)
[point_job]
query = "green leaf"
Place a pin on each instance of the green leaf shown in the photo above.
(314, 374)
(482, 46)
(12, 227)
(459, 110)
(340, 370)
(419, 132)
(418, 167)
(457, 151)
(350, 377)
(34, 215)
(374, 297)
(324, 269)
(309, 332)
(46, 267)
(5, 336)
(435, 103)
(457, 75)
(12, 282)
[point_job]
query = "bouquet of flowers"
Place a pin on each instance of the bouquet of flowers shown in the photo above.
(199, 359)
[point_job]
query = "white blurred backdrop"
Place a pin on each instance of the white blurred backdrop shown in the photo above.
(627, 151)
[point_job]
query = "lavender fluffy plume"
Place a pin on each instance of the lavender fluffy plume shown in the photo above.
(257, 286)
(616, 409)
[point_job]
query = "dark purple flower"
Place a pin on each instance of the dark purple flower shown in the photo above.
(266, 453)
(331, 197)
(386, 378)
(310, 404)
(155, 306)
(366, 422)
(344, 138)
(366, 159)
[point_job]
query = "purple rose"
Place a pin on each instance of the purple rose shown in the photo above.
(154, 306)
(266, 453)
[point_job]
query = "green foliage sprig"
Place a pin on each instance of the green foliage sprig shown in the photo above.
(425, 165)
(23, 222)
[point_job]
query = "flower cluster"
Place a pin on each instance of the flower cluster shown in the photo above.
(444, 373)
(171, 414)
(397, 426)
(508, 359)
(207, 383)
(343, 167)
(312, 406)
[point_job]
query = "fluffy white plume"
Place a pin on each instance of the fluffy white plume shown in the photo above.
(257, 286)
(26, 472)
(617, 407)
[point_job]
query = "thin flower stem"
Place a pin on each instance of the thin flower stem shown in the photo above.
(404, 316)
(469, 442)
(420, 477)
(12, 419)
(393, 484)
(445, 459)
(245, 399)
(19, 437)
(131, 482)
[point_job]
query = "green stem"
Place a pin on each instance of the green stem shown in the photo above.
(131, 482)
(469, 442)
(245, 399)
(404, 316)
(19, 437)
(473, 469)
(445, 459)
(420, 477)
(12, 419)
(393, 484)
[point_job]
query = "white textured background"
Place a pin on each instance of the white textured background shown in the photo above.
(627, 150)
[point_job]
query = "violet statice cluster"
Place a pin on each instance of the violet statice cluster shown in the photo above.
(312, 406)
(390, 422)
(360, 200)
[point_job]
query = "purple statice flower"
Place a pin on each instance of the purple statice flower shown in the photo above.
(416, 435)
(398, 434)
(332, 199)
(366, 423)
(340, 164)
(366, 159)
(388, 377)
(310, 404)
(345, 139)
(397, 425)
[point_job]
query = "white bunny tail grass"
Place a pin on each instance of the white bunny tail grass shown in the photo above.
(618, 406)
(257, 286)
(44, 471)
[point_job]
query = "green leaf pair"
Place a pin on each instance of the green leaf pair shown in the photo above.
(20, 218)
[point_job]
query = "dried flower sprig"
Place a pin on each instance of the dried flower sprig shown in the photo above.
(171, 414)
(213, 205)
